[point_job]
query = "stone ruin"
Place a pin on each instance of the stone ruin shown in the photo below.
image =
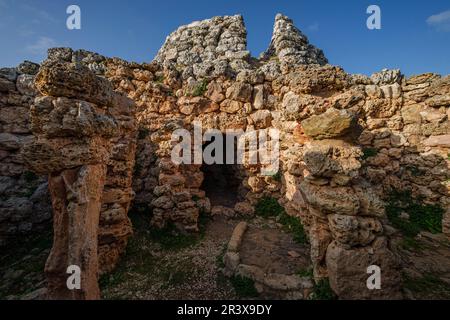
(97, 131)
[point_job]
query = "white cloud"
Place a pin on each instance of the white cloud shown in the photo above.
(41, 45)
(440, 21)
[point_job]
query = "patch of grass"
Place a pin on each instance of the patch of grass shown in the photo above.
(277, 176)
(244, 287)
(28, 254)
(219, 259)
(295, 226)
(308, 273)
(323, 291)
(368, 153)
(159, 79)
(30, 176)
(428, 284)
(410, 243)
(268, 207)
(200, 88)
(422, 217)
(170, 238)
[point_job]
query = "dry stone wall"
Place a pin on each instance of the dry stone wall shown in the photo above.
(25, 202)
(345, 142)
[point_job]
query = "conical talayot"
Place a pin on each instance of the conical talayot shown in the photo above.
(291, 46)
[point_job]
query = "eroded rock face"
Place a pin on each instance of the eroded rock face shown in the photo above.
(348, 271)
(76, 199)
(87, 147)
(345, 141)
(25, 202)
(290, 45)
(212, 47)
(331, 124)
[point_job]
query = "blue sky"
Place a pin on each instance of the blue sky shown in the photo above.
(415, 34)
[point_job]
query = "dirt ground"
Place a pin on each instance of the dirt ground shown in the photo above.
(166, 266)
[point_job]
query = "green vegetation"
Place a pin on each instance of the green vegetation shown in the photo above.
(277, 176)
(159, 79)
(410, 243)
(200, 88)
(27, 256)
(294, 225)
(368, 153)
(269, 207)
(307, 273)
(141, 262)
(244, 287)
(172, 239)
(219, 259)
(323, 291)
(422, 217)
(429, 285)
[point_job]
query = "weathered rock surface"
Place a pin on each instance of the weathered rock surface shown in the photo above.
(331, 124)
(345, 142)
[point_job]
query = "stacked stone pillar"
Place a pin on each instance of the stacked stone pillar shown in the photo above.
(346, 216)
(80, 128)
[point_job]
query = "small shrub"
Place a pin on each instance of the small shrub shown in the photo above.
(368, 153)
(159, 79)
(323, 291)
(410, 243)
(200, 89)
(219, 259)
(308, 273)
(244, 287)
(428, 284)
(277, 176)
(422, 217)
(171, 238)
(268, 207)
(295, 226)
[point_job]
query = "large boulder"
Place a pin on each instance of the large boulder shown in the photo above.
(331, 124)
(347, 269)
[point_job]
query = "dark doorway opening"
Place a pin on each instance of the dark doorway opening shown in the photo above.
(222, 182)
